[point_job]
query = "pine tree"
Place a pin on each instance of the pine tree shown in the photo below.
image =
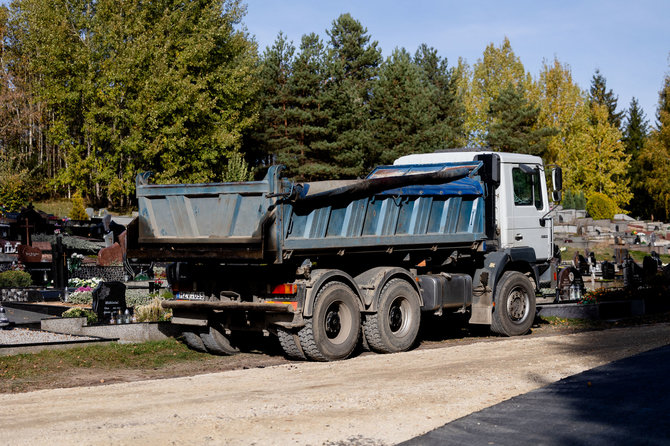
(599, 95)
(352, 64)
(656, 154)
(513, 124)
(308, 117)
(634, 138)
(271, 132)
(405, 115)
(449, 101)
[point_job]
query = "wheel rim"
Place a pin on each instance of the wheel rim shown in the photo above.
(518, 304)
(338, 316)
(398, 311)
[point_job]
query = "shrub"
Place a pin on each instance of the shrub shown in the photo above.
(78, 211)
(81, 297)
(90, 316)
(600, 206)
(15, 279)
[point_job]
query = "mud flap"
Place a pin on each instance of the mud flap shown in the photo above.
(482, 306)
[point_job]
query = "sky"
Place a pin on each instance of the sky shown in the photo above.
(628, 41)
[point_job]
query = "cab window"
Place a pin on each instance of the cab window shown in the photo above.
(527, 191)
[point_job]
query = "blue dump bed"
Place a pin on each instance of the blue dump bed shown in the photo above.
(422, 206)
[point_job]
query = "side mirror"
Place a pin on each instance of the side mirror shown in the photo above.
(557, 179)
(556, 196)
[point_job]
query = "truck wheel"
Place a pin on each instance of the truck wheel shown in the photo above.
(332, 331)
(193, 340)
(395, 326)
(290, 343)
(514, 309)
(217, 342)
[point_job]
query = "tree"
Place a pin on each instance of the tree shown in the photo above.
(308, 117)
(634, 138)
(405, 116)
(656, 155)
(497, 68)
(271, 132)
(127, 86)
(597, 162)
(446, 94)
(513, 123)
(599, 95)
(352, 64)
(563, 106)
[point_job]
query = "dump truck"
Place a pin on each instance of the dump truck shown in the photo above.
(327, 266)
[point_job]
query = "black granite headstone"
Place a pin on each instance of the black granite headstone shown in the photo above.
(109, 298)
(607, 269)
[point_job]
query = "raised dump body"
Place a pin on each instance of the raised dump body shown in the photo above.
(396, 206)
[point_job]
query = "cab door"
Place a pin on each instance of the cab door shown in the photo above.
(529, 206)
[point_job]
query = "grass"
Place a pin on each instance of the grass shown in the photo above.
(111, 356)
(60, 208)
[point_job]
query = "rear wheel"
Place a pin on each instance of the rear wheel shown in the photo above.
(514, 309)
(193, 340)
(332, 331)
(290, 343)
(216, 341)
(395, 325)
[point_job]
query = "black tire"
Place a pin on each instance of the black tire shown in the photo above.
(217, 342)
(193, 340)
(290, 343)
(395, 325)
(332, 332)
(514, 309)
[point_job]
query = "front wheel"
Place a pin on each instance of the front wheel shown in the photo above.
(332, 332)
(514, 309)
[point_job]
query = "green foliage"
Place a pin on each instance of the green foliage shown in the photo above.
(513, 123)
(237, 169)
(600, 96)
(91, 317)
(600, 206)
(656, 155)
(163, 86)
(634, 138)
(14, 185)
(15, 279)
(580, 201)
(568, 201)
(78, 211)
(405, 116)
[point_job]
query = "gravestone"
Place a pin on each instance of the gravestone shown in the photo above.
(109, 298)
(570, 285)
(607, 269)
(28, 254)
(110, 256)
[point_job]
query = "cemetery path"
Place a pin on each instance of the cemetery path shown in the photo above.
(367, 400)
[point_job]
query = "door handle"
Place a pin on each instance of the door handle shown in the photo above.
(518, 237)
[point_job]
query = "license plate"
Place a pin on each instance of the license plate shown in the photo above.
(190, 295)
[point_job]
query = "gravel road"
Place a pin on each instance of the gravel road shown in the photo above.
(367, 400)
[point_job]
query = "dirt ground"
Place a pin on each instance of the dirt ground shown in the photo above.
(367, 400)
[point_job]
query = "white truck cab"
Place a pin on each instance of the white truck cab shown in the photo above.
(521, 200)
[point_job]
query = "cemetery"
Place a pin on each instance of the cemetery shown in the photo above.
(71, 278)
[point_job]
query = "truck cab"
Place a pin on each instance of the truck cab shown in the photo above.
(521, 211)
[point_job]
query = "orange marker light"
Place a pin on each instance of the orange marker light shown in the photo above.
(286, 288)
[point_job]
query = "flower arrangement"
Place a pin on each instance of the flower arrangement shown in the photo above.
(74, 262)
(83, 283)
